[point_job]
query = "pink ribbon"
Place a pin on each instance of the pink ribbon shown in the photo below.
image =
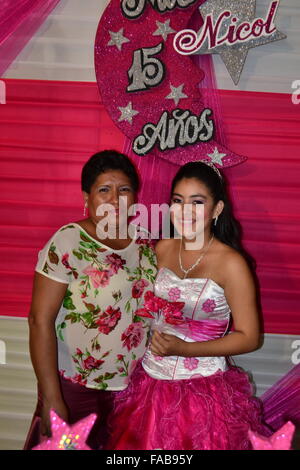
(204, 330)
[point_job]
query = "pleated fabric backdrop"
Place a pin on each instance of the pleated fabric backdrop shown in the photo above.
(49, 129)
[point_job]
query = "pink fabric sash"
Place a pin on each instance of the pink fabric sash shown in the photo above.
(202, 330)
(205, 330)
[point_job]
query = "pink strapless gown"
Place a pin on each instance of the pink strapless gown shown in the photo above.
(178, 403)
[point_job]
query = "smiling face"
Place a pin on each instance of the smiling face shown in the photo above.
(193, 208)
(108, 188)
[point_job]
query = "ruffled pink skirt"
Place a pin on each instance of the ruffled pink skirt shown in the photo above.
(206, 413)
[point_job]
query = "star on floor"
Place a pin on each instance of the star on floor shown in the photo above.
(163, 29)
(117, 39)
(234, 55)
(176, 94)
(127, 113)
(216, 157)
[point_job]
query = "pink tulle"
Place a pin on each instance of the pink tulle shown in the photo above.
(281, 402)
(205, 413)
(19, 20)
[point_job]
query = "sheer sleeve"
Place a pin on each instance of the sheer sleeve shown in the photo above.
(53, 259)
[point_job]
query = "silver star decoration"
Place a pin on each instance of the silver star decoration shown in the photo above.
(234, 55)
(117, 39)
(127, 113)
(176, 94)
(163, 29)
(216, 157)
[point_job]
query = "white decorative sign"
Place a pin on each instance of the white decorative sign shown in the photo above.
(230, 28)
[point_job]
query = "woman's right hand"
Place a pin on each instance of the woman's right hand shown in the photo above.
(59, 407)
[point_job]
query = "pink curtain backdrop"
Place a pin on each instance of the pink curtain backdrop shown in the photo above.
(19, 20)
(49, 129)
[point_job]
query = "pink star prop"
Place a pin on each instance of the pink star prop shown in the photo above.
(280, 440)
(66, 437)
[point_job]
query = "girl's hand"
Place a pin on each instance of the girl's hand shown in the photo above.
(163, 344)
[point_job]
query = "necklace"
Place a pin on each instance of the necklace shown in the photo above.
(186, 271)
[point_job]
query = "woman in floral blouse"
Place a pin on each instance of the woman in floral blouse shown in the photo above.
(85, 334)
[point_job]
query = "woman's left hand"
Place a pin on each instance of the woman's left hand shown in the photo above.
(163, 344)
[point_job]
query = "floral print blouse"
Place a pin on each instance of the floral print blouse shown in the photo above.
(100, 337)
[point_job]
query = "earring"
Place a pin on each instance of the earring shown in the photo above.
(216, 220)
(84, 209)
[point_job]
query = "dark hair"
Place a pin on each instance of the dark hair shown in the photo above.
(228, 230)
(104, 161)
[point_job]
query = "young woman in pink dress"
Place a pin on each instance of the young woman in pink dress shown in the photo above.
(186, 394)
